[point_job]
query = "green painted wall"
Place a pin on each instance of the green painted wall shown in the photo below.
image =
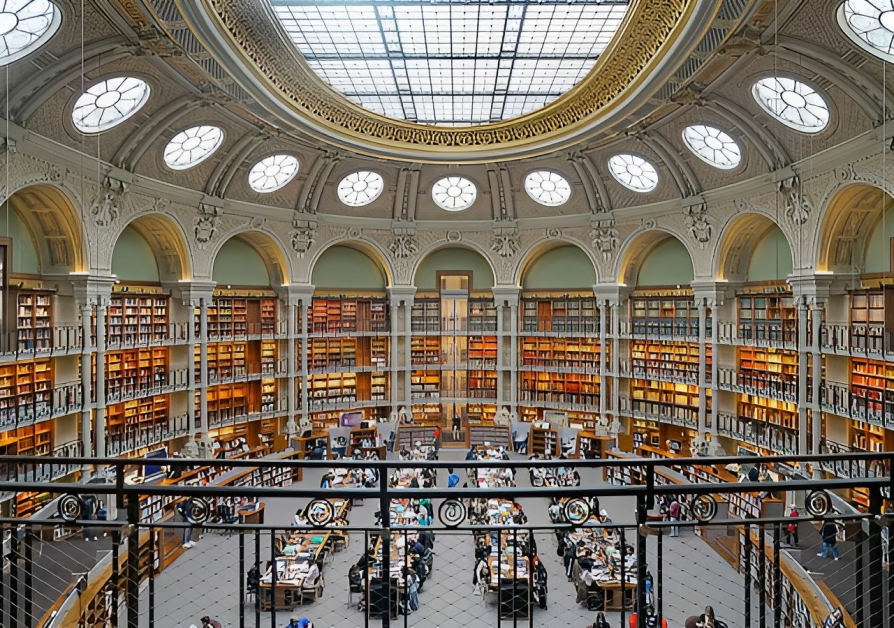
(562, 268)
(239, 264)
(772, 258)
(343, 267)
(24, 254)
(668, 264)
(454, 259)
(878, 251)
(133, 259)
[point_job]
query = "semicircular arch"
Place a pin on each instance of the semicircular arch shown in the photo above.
(463, 246)
(371, 249)
(738, 241)
(49, 213)
(166, 237)
(638, 247)
(851, 214)
(539, 250)
(267, 245)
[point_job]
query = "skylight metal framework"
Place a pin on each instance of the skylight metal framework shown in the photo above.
(451, 63)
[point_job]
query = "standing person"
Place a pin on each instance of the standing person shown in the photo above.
(437, 441)
(457, 426)
(673, 514)
(791, 530)
(829, 532)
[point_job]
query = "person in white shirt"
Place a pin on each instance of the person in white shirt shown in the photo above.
(313, 573)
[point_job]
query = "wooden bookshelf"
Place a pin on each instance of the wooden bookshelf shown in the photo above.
(137, 421)
(231, 317)
(482, 385)
(589, 445)
(348, 315)
(483, 352)
(767, 318)
(427, 413)
(544, 441)
(668, 316)
(669, 360)
(332, 388)
(226, 360)
(425, 315)
(481, 413)
(769, 372)
(667, 401)
(645, 433)
(575, 353)
(27, 503)
(132, 320)
(26, 389)
(131, 371)
(482, 315)
(872, 390)
(769, 423)
(425, 350)
(425, 385)
(229, 401)
(561, 388)
(575, 315)
(872, 316)
(34, 320)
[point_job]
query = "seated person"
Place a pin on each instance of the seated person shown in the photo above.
(313, 574)
(304, 622)
(301, 519)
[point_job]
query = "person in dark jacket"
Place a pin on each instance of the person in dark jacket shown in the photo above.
(829, 532)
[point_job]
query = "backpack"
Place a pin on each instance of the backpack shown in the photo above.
(651, 621)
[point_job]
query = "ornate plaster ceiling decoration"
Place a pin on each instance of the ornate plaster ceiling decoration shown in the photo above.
(25, 26)
(449, 72)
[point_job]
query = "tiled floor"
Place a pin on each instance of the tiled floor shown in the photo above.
(205, 580)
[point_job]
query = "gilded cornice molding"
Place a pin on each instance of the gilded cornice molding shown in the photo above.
(653, 40)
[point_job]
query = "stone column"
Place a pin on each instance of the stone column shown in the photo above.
(401, 305)
(296, 300)
(199, 295)
(506, 298)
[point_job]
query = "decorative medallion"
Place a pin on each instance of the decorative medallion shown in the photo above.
(403, 246)
(206, 224)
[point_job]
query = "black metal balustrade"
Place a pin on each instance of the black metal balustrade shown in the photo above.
(47, 584)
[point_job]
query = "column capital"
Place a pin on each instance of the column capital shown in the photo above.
(506, 295)
(293, 293)
(92, 290)
(713, 292)
(612, 294)
(816, 287)
(192, 291)
(401, 295)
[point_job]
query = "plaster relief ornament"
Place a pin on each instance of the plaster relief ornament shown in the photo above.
(105, 208)
(303, 239)
(403, 246)
(699, 223)
(505, 245)
(798, 205)
(206, 225)
(604, 237)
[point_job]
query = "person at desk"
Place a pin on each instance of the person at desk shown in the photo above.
(207, 622)
(472, 455)
(590, 590)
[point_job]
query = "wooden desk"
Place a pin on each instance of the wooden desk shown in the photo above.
(612, 595)
(252, 515)
(289, 589)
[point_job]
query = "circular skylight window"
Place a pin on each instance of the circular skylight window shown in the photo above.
(712, 145)
(109, 103)
(192, 146)
(793, 103)
(634, 172)
(360, 188)
(25, 25)
(454, 193)
(870, 25)
(547, 188)
(273, 172)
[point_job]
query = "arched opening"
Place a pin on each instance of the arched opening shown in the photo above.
(849, 221)
(454, 260)
(347, 268)
(133, 258)
(151, 248)
(667, 263)
(880, 248)
(22, 254)
(238, 263)
(53, 223)
(754, 249)
(560, 268)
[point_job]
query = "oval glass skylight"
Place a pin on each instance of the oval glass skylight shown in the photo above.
(26, 25)
(795, 104)
(271, 173)
(451, 63)
(713, 146)
(870, 25)
(192, 146)
(108, 103)
(360, 188)
(633, 172)
(454, 193)
(547, 187)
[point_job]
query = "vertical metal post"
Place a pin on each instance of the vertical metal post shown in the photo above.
(658, 587)
(14, 580)
(642, 511)
(762, 575)
(4, 595)
(406, 588)
(747, 568)
(858, 579)
(133, 563)
(876, 564)
(29, 577)
(890, 581)
(499, 579)
(153, 556)
(257, 563)
(623, 578)
(116, 548)
(777, 578)
(385, 509)
(241, 577)
(273, 575)
(367, 578)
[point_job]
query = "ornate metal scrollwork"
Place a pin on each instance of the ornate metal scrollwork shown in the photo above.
(704, 508)
(320, 512)
(197, 510)
(452, 512)
(818, 503)
(576, 511)
(70, 508)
